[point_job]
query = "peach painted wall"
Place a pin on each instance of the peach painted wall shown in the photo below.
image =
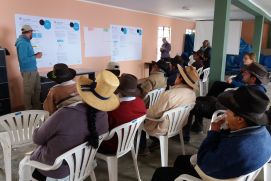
(248, 31)
(91, 15)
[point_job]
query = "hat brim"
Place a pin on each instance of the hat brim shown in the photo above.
(70, 75)
(264, 80)
(186, 79)
(227, 100)
(88, 97)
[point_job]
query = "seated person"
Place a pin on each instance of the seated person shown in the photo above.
(131, 107)
(173, 69)
(254, 75)
(156, 79)
(114, 67)
(198, 59)
(74, 125)
(64, 93)
(220, 86)
(241, 149)
(183, 93)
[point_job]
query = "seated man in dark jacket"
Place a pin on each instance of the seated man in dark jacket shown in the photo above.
(241, 149)
(253, 75)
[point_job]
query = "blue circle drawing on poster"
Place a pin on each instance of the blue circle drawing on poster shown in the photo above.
(124, 30)
(41, 22)
(139, 31)
(47, 24)
(76, 26)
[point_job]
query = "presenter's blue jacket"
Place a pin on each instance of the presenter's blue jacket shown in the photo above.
(226, 154)
(26, 55)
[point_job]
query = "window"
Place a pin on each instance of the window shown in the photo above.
(163, 31)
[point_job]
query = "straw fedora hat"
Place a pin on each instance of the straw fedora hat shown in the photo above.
(190, 76)
(100, 93)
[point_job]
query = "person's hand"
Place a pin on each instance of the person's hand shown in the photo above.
(216, 126)
(38, 55)
(229, 81)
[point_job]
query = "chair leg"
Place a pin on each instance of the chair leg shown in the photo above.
(135, 164)
(164, 150)
(92, 175)
(182, 142)
(112, 164)
(267, 172)
(6, 145)
(24, 170)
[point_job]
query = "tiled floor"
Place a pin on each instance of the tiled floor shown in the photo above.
(147, 164)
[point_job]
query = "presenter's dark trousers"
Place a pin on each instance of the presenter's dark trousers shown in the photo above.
(181, 166)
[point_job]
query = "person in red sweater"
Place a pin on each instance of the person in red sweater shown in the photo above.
(131, 107)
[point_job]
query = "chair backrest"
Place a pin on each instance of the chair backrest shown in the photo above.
(200, 71)
(154, 95)
(126, 135)
(249, 177)
(20, 125)
(206, 73)
(177, 118)
(79, 160)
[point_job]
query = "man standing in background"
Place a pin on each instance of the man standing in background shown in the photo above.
(28, 68)
(165, 49)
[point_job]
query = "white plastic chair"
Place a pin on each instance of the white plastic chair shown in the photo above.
(79, 159)
(249, 177)
(177, 118)
(267, 171)
(200, 71)
(203, 84)
(19, 129)
(153, 95)
(126, 135)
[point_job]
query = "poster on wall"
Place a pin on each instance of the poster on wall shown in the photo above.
(126, 43)
(97, 42)
(58, 39)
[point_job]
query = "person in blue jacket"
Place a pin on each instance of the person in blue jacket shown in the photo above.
(28, 68)
(237, 81)
(239, 150)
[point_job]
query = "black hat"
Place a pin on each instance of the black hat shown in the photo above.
(128, 85)
(258, 71)
(61, 73)
(163, 65)
(247, 102)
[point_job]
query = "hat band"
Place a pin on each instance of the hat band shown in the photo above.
(188, 76)
(91, 88)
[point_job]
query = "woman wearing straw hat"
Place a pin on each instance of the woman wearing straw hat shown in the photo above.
(74, 125)
(64, 93)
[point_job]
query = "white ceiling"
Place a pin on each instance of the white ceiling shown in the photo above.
(185, 9)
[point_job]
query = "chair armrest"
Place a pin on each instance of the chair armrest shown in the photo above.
(29, 153)
(157, 120)
(43, 166)
(186, 177)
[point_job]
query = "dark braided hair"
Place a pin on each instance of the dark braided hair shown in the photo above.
(92, 138)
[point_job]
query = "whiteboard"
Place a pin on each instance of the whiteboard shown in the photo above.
(97, 42)
(58, 39)
(204, 31)
(126, 43)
